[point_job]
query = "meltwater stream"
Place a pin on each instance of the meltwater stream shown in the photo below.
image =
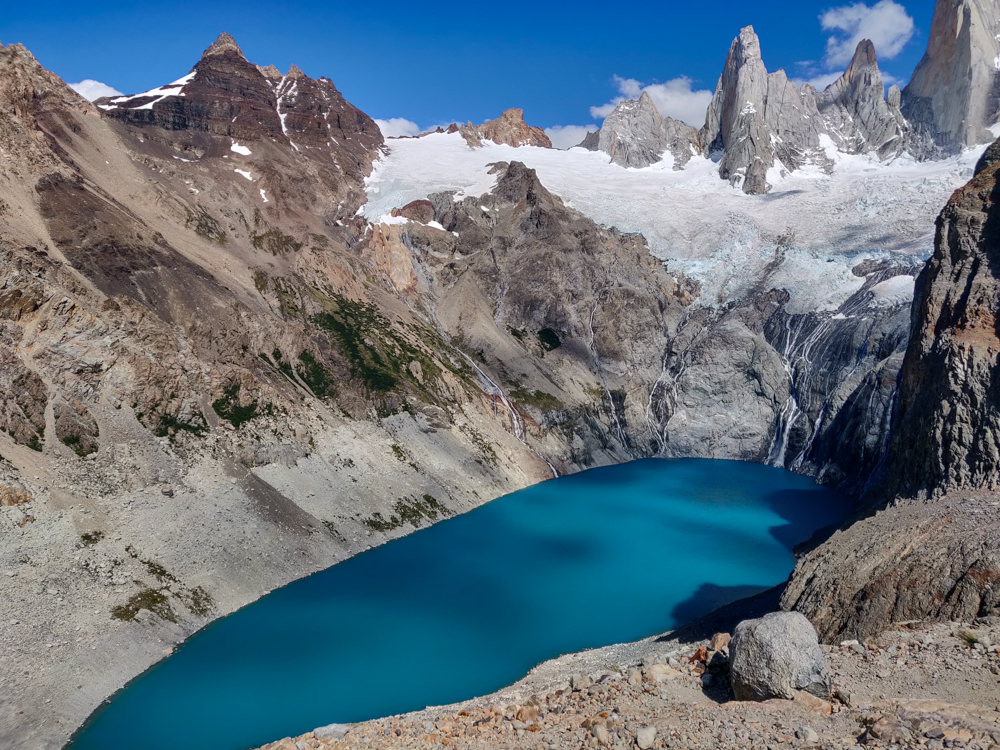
(469, 605)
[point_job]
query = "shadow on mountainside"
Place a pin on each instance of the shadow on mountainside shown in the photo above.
(740, 603)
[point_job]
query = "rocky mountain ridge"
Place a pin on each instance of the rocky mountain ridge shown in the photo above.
(759, 121)
(213, 361)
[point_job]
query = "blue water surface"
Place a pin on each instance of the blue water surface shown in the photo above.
(470, 604)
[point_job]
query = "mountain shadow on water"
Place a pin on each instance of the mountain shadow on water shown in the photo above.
(794, 535)
(732, 605)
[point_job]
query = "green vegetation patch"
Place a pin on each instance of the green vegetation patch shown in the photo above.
(411, 511)
(319, 379)
(354, 326)
(169, 426)
(198, 601)
(79, 446)
(206, 226)
(151, 599)
(275, 242)
(228, 406)
(537, 398)
(260, 280)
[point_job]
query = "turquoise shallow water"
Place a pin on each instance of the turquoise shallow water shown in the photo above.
(469, 605)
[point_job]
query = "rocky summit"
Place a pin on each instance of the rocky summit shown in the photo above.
(245, 337)
(509, 129)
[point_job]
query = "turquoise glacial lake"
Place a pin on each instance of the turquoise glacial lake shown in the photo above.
(469, 605)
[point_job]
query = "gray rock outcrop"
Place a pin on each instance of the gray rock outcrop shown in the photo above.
(635, 134)
(953, 95)
(735, 125)
(776, 656)
(858, 117)
(759, 120)
(946, 432)
(591, 141)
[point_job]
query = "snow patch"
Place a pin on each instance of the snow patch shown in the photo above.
(245, 174)
(895, 291)
(171, 89)
(391, 220)
(804, 236)
(264, 195)
(242, 150)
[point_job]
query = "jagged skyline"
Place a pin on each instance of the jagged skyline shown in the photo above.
(561, 67)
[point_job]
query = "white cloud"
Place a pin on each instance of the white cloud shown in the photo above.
(567, 136)
(886, 23)
(90, 89)
(675, 98)
(818, 82)
(396, 126)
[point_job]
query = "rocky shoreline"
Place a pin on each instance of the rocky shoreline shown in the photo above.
(932, 685)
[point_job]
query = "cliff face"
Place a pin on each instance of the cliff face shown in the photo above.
(947, 426)
(939, 558)
(636, 135)
(859, 117)
(735, 124)
(953, 95)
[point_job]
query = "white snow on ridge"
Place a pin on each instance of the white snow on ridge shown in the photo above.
(171, 89)
(805, 235)
(244, 174)
(242, 150)
(898, 289)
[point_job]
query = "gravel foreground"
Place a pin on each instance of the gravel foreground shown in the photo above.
(917, 685)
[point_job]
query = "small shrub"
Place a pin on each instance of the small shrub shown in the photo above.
(150, 599)
(970, 639)
(228, 406)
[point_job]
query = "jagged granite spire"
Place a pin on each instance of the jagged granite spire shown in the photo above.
(952, 98)
(635, 134)
(225, 43)
(735, 123)
(857, 116)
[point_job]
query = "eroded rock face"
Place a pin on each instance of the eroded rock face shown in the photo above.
(735, 124)
(947, 425)
(953, 95)
(509, 129)
(936, 559)
(776, 656)
(636, 135)
(858, 117)
(912, 561)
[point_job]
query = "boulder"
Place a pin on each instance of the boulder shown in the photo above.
(419, 210)
(332, 732)
(645, 737)
(775, 657)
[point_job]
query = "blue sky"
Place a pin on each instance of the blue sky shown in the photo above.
(434, 63)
